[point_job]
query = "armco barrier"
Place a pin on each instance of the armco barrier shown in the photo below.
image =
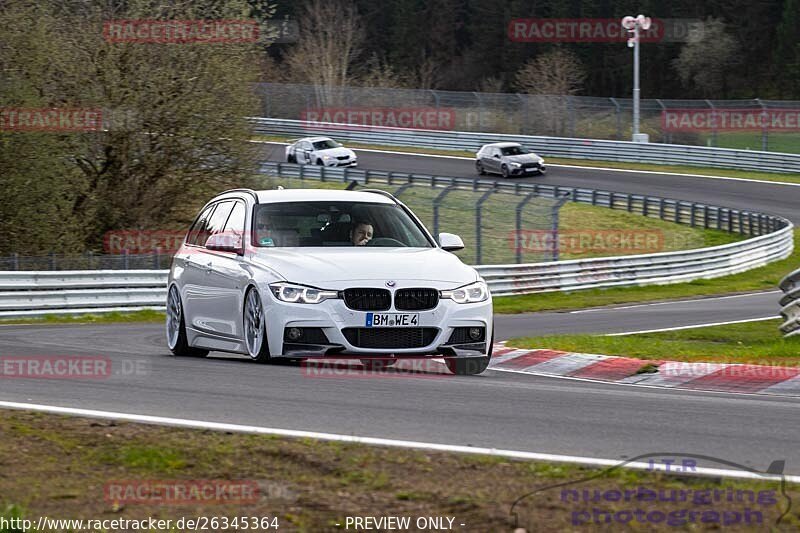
(662, 154)
(72, 292)
(790, 304)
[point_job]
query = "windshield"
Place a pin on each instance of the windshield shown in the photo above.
(305, 224)
(325, 145)
(513, 150)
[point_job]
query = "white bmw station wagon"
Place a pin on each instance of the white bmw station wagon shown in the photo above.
(301, 273)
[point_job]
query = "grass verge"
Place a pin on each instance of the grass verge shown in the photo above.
(146, 315)
(758, 279)
(748, 342)
(311, 485)
(679, 169)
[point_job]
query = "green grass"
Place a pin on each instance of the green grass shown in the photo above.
(308, 484)
(146, 315)
(758, 279)
(777, 142)
(680, 169)
(749, 342)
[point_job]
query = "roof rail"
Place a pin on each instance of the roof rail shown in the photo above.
(382, 193)
(248, 191)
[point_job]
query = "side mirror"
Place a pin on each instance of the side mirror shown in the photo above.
(450, 242)
(226, 242)
(497, 156)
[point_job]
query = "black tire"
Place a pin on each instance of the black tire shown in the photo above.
(291, 159)
(542, 171)
(182, 348)
(479, 168)
(319, 162)
(504, 171)
(470, 366)
(258, 353)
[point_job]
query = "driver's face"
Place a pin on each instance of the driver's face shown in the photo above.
(362, 234)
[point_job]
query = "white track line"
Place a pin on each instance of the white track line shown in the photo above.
(634, 171)
(693, 326)
(671, 302)
(217, 426)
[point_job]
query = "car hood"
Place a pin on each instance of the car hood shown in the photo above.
(523, 158)
(330, 267)
(336, 152)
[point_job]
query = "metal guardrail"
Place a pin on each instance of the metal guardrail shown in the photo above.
(528, 114)
(76, 292)
(623, 151)
(790, 304)
(81, 291)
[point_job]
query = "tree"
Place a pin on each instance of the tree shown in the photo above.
(558, 72)
(174, 127)
(330, 40)
(706, 59)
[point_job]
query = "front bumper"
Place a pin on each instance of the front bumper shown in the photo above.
(333, 316)
(528, 171)
(339, 163)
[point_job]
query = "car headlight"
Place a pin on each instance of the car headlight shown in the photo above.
(326, 157)
(300, 294)
(541, 160)
(515, 164)
(472, 293)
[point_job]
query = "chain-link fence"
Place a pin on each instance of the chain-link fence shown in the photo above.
(745, 124)
(488, 222)
(88, 261)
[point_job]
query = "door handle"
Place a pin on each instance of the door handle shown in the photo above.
(209, 268)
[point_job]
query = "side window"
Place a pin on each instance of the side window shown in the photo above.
(200, 227)
(307, 146)
(218, 218)
(235, 221)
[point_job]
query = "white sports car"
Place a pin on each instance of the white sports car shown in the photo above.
(320, 151)
(303, 273)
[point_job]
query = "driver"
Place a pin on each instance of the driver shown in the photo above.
(361, 233)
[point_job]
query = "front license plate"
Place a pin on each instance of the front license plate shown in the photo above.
(392, 320)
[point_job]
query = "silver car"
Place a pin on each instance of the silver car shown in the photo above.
(322, 151)
(508, 159)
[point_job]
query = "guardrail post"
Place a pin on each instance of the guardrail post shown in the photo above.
(764, 130)
(692, 214)
(125, 257)
(479, 207)
(630, 203)
(518, 226)
(52, 260)
(645, 209)
(157, 259)
(15, 261)
(89, 256)
(560, 200)
(678, 212)
(436, 203)
(618, 115)
(714, 122)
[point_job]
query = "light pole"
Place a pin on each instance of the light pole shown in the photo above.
(633, 25)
